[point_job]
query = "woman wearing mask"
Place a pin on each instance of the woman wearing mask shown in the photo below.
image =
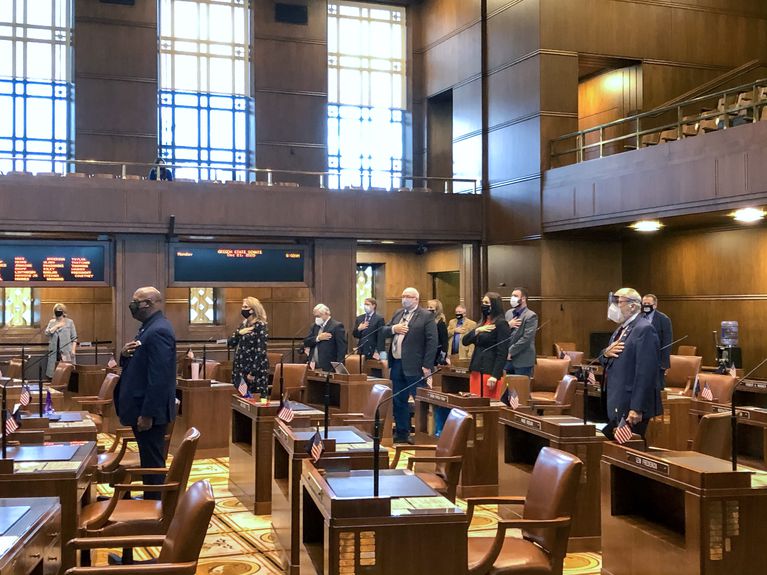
(250, 339)
(61, 333)
(491, 343)
(435, 307)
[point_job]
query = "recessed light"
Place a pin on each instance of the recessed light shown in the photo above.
(748, 215)
(387, 241)
(647, 226)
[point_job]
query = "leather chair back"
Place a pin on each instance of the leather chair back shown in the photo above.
(721, 385)
(274, 358)
(186, 532)
(295, 375)
(169, 431)
(378, 394)
(552, 493)
(565, 393)
(576, 357)
(714, 435)
(179, 472)
(14, 368)
(107, 389)
(549, 372)
(352, 363)
(452, 442)
(683, 368)
(687, 350)
(560, 346)
(61, 375)
(522, 384)
(211, 369)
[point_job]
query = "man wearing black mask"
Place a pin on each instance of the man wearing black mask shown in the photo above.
(662, 324)
(146, 394)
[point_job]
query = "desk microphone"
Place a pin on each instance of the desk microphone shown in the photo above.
(734, 417)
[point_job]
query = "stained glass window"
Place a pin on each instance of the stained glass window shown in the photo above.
(364, 286)
(202, 306)
(17, 311)
(36, 90)
(206, 112)
(366, 94)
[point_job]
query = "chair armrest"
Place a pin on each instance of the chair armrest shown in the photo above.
(96, 401)
(552, 408)
(109, 542)
(153, 569)
(86, 397)
(689, 445)
(148, 470)
(540, 402)
(434, 459)
(147, 486)
(399, 448)
(472, 502)
(534, 523)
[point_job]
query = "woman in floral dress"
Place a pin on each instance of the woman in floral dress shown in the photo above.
(249, 340)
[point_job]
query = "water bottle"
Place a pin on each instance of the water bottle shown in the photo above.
(729, 337)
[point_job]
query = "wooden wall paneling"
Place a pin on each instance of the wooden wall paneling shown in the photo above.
(514, 30)
(514, 92)
(335, 266)
(514, 151)
(514, 211)
(289, 117)
(440, 136)
(452, 61)
(443, 18)
(467, 109)
(662, 81)
(515, 265)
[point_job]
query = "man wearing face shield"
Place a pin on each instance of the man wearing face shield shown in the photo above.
(632, 365)
(146, 394)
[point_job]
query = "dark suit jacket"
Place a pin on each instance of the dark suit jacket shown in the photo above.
(491, 361)
(632, 377)
(148, 382)
(333, 349)
(662, 324)
(373, 340)
(419, 346)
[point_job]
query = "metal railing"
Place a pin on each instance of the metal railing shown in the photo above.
(127, 171)
(718, 110)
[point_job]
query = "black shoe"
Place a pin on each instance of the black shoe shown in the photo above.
(401, 440)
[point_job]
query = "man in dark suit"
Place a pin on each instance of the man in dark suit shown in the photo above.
(411, 357)
(326, 341)
(632, 363)
(146, 394)
(662, 324)
(368, 329)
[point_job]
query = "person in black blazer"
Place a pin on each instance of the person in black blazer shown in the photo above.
(662, 324)
(326, 341)
(145, 398)
(632, 364)
(368, 329)
(491, 340)
(411, 356)
(435, 307)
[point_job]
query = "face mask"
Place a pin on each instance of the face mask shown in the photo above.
(614, 313)
(459, 316)
(432, 311)
(368, 308)
(246, 313)
(514, 301)
(647, 309)
(485, 309)
(137, 312)
(319, 321)
(407, 303)
(58, 313)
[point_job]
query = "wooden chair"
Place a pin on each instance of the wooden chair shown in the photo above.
(365, 420)
(353, 363)
(560, 346)
(546, 518)
(520, 383)
(714, 435)
(548, 373)
(576, 357)
(274, 358)
(294, 380)
(687, 350)
(61, 376)
(562, 402)
(722, 386)
(101, 405)
(448, 454)
(14, 368)
(681, 374)
(180, 546)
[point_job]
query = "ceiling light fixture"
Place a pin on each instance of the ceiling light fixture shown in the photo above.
(748, 215)
(647, 226)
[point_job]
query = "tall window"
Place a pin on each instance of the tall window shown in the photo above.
(366, 94)
(18, 307)
(364, 285)
(202, 306)
(206, 112)
(36, 91)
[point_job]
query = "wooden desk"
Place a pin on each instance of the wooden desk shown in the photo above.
(14, 392)
(596, 403)
(524, 435)
(451, 379)
(250, 448)
(30, 540)
(290, 447)
(87, 379)
(752, 429)
(672, 429)
(376, 368)
(408, 530)
(206, 405)
(72, 426)
(68, 478)
(680, 513)
(479, 472)
(348, 393)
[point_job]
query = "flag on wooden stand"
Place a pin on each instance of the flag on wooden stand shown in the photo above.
(514, 399)
(243, 388)
(707, 394)
(11, 424)
(623, 432)
(316, 446)
(25, 396)
(112, 363)
(286, 413)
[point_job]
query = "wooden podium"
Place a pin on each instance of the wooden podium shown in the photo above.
(479, 472)
(524, 435)
(348, 393)
(408, 530)
(346, 448)
(87, 379)
(680, 513)
(61, 426)
(672, 429)
(250, 448)
(376, 368)
(30, 529)
(451, 379)
(206, 405)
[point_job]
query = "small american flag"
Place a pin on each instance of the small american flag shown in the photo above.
(111, 364)
(706, 393)
(11, 424)
(316, 447)
(190, 353)
(25, 396)
(733, 371)
(286, 413)
(591, 379)
(623, 432)
(243, 388)
(514, 399)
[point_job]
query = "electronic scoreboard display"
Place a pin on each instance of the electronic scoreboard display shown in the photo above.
(237, 263)
(43, 263)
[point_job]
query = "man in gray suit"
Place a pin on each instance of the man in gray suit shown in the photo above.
(523, 322)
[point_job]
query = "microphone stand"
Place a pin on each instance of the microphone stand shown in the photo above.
(734, 417)
(5, 415)
(327, 403)
(282, 382)
(204, 360)
(40, 373)
(377, 428)
(40, 388)
(23, 366)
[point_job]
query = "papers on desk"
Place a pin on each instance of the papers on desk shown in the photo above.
(38, 466)
(344, 447)
(10, 515)
(412, 505)
(6, 542)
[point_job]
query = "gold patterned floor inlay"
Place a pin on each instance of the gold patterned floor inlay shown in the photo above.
(240, 543)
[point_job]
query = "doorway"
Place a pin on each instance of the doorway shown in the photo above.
(446, 287)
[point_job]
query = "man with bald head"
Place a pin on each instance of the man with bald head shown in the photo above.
(146, 395)
(411, 357)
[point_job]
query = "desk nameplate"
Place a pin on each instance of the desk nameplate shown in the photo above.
(754, 384)
(527, 422)
(451, 399)
(742, 413)
(648, 463)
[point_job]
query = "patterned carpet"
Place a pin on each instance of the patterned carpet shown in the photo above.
(240, 543)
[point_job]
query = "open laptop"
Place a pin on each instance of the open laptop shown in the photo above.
(339, 368)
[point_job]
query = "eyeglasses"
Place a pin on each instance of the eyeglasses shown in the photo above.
(408, 296)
